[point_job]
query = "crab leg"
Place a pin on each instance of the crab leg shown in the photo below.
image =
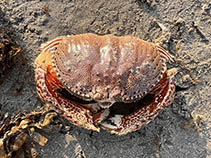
(51, 44)
(164, 94)
(47, 84)
(165, 54)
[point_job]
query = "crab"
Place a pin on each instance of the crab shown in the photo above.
(117, 83)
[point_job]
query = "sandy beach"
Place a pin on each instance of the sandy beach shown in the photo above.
(182, 27)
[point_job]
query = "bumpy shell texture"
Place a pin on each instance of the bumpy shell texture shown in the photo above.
(107, 68)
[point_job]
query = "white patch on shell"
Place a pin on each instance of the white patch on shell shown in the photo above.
(69, 48)
(67, 63)
(80, 51)
(138, 68)
(78, 84)
(86, 48)
(105, 55)
(78, 47)
(130, 44)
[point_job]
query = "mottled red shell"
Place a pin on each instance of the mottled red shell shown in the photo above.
(107, 68)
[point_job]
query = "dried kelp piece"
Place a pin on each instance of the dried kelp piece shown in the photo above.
(19, 132)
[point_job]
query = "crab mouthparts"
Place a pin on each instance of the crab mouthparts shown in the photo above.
(115, 108)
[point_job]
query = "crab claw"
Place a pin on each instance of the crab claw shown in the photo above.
(101, 116)
(164, 94)
(113, 123)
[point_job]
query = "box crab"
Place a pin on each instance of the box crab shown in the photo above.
(119, 83)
